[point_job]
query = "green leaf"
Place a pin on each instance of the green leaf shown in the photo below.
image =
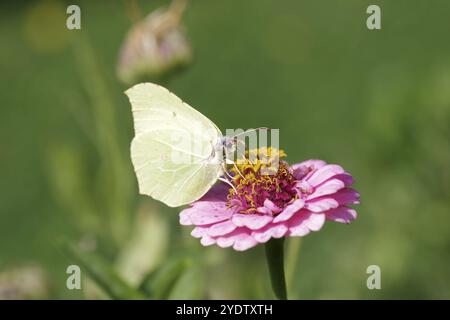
(159, 283)
(146, 247)
(102, 274)
(190, 286)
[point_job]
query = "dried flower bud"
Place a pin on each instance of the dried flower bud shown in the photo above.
(155, 46)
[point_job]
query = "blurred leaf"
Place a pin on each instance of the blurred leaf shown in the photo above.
(146, 247)
(69, 180)
(114, 182)
(103, 274)
(160, 283)
(190, 286)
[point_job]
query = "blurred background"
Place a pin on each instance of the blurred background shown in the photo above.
(376, 102)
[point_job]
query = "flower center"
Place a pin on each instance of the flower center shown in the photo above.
(260, 176)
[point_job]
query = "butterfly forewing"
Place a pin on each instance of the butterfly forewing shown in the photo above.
(172, 151)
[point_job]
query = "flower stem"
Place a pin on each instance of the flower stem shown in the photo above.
(292, 257)
(275, 261)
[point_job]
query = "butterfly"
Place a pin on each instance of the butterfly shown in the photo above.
(177, 152)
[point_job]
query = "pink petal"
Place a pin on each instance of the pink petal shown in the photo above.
(221, 228)
(208, 212)
(342, 197)
(324, 173)
(322, 204)
(347, 196)
(304, 222)
(289, 211)
(315, 164)
(297, 227)
(326, 188)
(315, 221)
(341, 214)
(270, 231)
(240, 239)
(305, 169)
(225, 241)
(244, 242)
(298, 231)
(269, 208)
(345, 178)
(272, 206)
(304, 186)
(199, 232)
(264, 211)
(207, 240)
(251, 221)
(185, 219)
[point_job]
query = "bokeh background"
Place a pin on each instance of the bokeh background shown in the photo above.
(376, 102)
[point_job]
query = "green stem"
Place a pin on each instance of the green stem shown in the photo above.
(292, 255)
(275, 261)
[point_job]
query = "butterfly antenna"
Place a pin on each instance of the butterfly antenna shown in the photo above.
(243, 156)
(247, 131)
(239, 134)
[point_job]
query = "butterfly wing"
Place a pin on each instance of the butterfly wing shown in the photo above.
(172, 151)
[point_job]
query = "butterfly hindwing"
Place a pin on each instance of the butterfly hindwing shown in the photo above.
(172, 148)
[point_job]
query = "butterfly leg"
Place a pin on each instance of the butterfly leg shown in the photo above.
(229, 183)
(238, 171)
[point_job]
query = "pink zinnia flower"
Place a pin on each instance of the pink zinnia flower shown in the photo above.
(291, 203)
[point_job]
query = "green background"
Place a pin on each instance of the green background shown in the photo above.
(376, 102)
